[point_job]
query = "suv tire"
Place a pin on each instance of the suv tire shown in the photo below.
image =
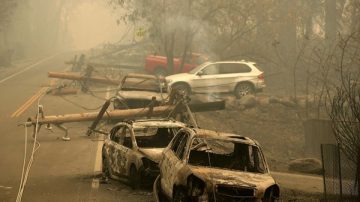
(243, 89)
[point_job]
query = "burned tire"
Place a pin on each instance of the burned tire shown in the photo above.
(182, 88)
(243, 89)
(270, 196)
(135, 178)
(105, 169)
(180, 196)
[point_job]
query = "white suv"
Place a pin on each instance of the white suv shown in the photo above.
(238, 77)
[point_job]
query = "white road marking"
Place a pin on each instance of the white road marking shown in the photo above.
(98, 158)
(27, 68)
(4, 187)
(30, 101)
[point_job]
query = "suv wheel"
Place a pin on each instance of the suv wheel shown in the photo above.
(243, 89)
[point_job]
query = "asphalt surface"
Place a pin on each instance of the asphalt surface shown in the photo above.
(66, 170)
(62, 170)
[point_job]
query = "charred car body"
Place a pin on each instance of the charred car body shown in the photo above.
(203, 165)
(133, 150)
(139, 90)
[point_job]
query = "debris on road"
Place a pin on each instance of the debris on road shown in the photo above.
(79, 77)
(63, 91)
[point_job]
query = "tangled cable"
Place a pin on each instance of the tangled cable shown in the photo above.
(36, 146)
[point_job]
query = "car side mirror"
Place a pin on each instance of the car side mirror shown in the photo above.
(200, 73)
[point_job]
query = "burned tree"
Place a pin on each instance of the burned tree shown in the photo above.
(345, 103)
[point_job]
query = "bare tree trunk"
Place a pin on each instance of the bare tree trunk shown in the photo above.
(188, 39)
(358, 173)
(169, 48)
(330, 20)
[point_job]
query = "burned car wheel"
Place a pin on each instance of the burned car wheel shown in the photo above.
(270, 196)
(243, 89)
(180, 196)
(182, 88)
(135, 178)
(105, 169)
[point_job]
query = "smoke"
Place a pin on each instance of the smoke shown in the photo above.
(91, 24)
(40, 27)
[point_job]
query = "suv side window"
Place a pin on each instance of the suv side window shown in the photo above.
(233, 68)
(211, 69)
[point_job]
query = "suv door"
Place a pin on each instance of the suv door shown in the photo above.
(233, 73)
(173, 161)
(207, 80)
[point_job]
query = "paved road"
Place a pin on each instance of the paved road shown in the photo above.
(66, 171)
(62, 171)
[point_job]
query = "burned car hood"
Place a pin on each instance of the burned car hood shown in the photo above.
(153, 154)
(143, 95)
(218, 176)
(177, 77)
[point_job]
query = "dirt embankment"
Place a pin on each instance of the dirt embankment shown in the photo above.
(277, 127)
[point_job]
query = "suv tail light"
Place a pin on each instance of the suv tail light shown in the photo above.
(261, 76)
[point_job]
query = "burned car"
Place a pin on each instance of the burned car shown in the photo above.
(133, 150)
(203, 165)
(139, 90)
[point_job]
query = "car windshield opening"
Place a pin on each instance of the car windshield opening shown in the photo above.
(144, 84)
(226, 154)
(196, 69)
(150, 137)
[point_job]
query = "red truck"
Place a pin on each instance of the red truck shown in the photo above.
(156, 64)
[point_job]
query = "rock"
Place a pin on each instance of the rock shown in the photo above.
(302, 103)
(273, 99)
(306, 165)
(288, 103)
(263, 101)
(231, 102)
(247, 101)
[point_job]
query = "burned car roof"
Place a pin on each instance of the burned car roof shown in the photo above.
(157, 123)
(224, 136)
(143, 82)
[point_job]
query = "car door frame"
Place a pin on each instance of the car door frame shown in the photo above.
(125, 155)
(172, 164)
(110, 148)
(200, 82)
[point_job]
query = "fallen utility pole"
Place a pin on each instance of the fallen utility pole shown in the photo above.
(116, 66)
(79, 77)
(159, 111)
(115, 114)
